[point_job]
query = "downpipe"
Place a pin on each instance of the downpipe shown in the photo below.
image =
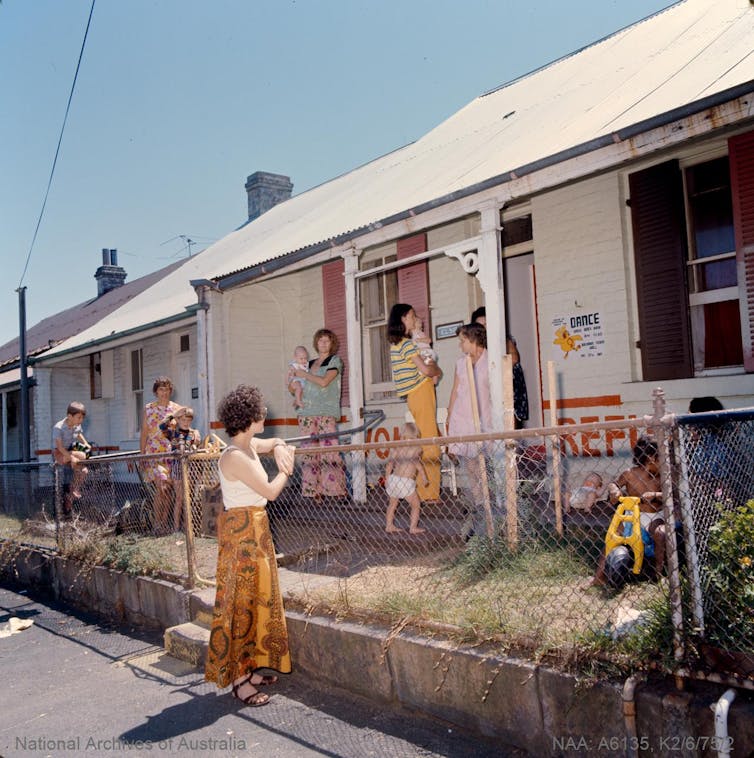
(629, 714)
(721, 709)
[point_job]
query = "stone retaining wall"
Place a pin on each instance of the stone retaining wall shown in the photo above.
(523, 704)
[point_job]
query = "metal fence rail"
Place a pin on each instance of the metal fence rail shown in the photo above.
(514, 549)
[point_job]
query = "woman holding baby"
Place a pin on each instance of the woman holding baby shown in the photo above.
(413, 377)
(322, 475)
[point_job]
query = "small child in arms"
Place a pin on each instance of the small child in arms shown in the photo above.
(424, 346)
(404, 465)
(183, 438)
(301, 362)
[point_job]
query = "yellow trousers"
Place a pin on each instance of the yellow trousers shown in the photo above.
(422, 403)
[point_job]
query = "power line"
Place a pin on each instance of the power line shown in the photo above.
(57, 150)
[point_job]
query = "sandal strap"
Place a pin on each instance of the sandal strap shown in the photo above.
(254, 699)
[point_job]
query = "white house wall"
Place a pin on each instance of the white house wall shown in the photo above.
(584, 265)
(580, 270)
(265, 322)
(110, 421)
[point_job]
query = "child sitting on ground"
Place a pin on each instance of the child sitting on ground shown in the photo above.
(404, 465)
(584, 498)
(300, 362)
(183, 439)
(642, 480)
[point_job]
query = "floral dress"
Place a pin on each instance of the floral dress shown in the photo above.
(156, 442)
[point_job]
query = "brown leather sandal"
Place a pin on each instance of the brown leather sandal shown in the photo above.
(256, 698)
(266, 680)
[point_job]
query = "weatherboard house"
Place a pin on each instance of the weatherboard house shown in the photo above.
(94, 374)
(601, 208)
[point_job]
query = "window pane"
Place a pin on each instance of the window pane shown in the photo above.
(380, 355)
(711, 208)
(716, 275)
(722, 335)
(516, 230)
(391, 290)
(137, 374)
(95, 375)
(138, 410)
(372, 300)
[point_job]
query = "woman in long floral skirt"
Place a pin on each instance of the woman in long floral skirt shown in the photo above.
(248, 633)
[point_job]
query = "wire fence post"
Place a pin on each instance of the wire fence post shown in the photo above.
(555, 445)
(511, 470)
(57, 508)
(188, 524)
(660, 424)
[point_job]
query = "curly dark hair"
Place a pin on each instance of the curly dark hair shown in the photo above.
(240, 408)
(396, 329)
(162, 381)
(334, 342)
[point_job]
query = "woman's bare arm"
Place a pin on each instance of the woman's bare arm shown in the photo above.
(321, 381)
(428, 369)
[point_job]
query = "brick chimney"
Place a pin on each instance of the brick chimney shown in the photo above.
(266, 190)
(109, 275)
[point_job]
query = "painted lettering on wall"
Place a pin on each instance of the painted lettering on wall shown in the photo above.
(381, 434)
(583, 444)
(596, 443)
(579, 334)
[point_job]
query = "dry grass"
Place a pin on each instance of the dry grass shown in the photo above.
(529, 605)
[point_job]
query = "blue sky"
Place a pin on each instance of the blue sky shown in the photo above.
(178, 101)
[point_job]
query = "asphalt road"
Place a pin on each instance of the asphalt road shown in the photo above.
(70, 686)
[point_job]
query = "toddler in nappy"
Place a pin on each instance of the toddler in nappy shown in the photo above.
(404, 465)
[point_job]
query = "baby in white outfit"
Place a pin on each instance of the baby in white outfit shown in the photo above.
(300, 362)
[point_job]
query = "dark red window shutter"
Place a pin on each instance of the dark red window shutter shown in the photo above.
(659, 227)
(334, 295)
(741, 156)
(413, 280)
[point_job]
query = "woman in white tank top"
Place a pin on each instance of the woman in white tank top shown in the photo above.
(248, 630)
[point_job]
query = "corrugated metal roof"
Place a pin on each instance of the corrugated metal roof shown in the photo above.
(691, 51)
(55, 329)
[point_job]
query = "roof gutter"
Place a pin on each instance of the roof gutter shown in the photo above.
(189, 312)
(237, 278)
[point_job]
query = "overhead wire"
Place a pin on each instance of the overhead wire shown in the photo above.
(57, 149)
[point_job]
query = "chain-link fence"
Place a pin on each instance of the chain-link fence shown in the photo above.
(624, 541)
(715, 492)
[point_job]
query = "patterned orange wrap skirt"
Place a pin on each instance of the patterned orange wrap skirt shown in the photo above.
(248, 629)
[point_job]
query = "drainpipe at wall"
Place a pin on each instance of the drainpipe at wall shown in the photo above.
(355, 379)
(629, 714)
(721, 707)
(204, 351)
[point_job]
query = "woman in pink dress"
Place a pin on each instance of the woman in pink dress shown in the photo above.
(473, 456)
(154, 441)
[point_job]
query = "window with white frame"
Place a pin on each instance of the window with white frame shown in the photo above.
(688, 292)
(137, 388)
(712, 279)
(95, 375)
(378, 294)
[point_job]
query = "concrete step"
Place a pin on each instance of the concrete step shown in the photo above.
(201, 605)
(188, 642)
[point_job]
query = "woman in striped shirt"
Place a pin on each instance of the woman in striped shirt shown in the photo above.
(414, 381)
